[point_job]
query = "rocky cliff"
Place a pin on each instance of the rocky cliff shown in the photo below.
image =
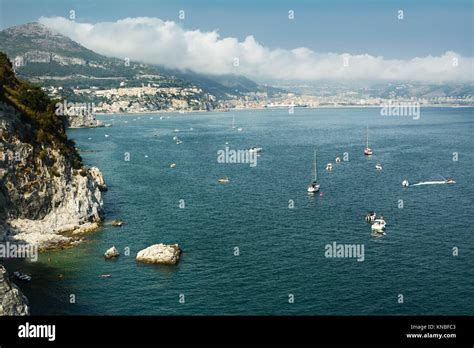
(47, 197)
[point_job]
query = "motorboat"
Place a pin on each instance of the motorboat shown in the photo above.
(223, 180)
(314, 186)
(240, 129)
(22, 276)
(450, 181)
(255, 150)
(405, 183)
(176, 130)
(370, 216)
(175, 138)
(367, 150)
(329, 167)
(178, 142)
(378, 166)
(173, 165)
(378, 225)
(338, 159)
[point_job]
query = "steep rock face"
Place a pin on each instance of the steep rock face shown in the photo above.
(44, 188)
(12, 301)
(41, 199)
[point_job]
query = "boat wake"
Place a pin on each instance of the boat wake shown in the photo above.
(429, 183)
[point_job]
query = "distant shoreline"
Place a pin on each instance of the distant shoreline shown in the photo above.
(272, 108)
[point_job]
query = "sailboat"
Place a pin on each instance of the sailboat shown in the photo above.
(313, 187)
(233, 122)
(367, 150)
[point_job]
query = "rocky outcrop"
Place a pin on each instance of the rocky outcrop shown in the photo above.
(12, 301)
(111, 253)
(160, 254)
(82, 121)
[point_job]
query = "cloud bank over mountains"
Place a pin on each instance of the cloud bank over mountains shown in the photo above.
(167, 43)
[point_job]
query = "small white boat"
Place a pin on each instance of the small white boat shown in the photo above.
(22, 276)
(106, 135)
(367, 150)
(176, 130)
(450, 181)
(233, 122)
(161, 117)
(405, 183)
(314, 186)
(338, 159)
(173, 165)
(178, 142)
(223, 180)
(191, 129)
(378, 225)
(240, 129)
(175, 138)
(255, 149)
(329, 167)
(378, 166)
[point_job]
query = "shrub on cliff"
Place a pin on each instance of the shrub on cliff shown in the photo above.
(37, 111)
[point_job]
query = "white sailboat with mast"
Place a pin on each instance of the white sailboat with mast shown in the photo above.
(233, 122)
(367, 150)
(314, 186)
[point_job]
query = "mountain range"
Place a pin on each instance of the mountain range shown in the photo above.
(50, 59)
(43, 55)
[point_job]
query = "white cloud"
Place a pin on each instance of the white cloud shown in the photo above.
(154, 41)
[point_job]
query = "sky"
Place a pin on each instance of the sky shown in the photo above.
(333, 39)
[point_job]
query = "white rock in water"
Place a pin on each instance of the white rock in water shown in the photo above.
(160, 254)
(112, 252)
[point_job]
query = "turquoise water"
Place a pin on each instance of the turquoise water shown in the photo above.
(281, 249)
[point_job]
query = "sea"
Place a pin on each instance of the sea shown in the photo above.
(260, 244)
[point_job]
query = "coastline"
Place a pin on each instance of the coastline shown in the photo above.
(444, 106)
